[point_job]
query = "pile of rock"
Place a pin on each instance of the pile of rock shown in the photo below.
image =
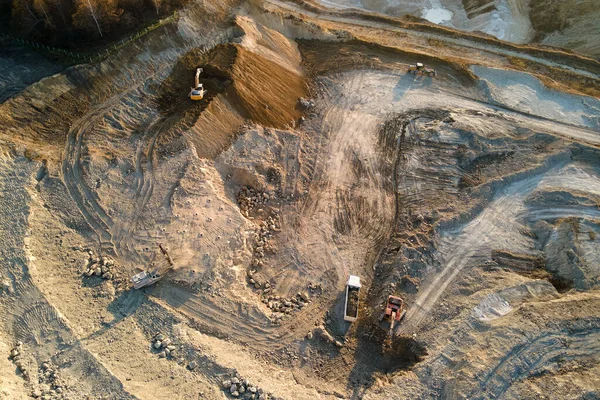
(315, 288)
(99, 266)
(238, 387)
(50, 385)
(164, 347)
(16, 355)
(264, 287)
(306, 103)
(263, 235)
(249, 198)
(282, 306)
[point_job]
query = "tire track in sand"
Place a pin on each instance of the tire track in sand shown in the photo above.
(474, 238)
(530, 358)
(144, 187)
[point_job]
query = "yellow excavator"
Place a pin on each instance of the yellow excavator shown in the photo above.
(421, 69)
(198, 91)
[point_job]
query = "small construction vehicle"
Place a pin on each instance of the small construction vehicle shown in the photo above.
(394, 311)
(198, 91)
(420, 69)
(155, 273)
(351, 305)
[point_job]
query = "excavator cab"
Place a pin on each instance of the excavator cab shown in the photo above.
(198, 91)
(394, 308)
(155, 272)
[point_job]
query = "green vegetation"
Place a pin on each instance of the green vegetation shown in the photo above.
(77, 24)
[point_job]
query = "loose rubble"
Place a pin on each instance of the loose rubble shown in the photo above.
(239, 388)
(306, 103)
(262, 237)
(98, 266)
(51, 386)
(16, 355)
(282, 306)
(249, 198)
(164, 347)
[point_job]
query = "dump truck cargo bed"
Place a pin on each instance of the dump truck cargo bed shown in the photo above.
(352, 293)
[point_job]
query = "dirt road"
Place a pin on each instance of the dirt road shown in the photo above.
(299, 10)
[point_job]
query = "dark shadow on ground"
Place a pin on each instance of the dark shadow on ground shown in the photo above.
(410, 81)
(121, 307)
(370, 357)
(337, 326)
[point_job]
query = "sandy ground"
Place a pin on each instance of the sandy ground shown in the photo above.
(475, 200)
(506, 20)
(567, 24)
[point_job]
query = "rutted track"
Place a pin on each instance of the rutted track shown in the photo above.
(86, 201)
(114, 235)
(530, 358)
(27, 314)
(144, 186)
(301, 11)
(497, 226)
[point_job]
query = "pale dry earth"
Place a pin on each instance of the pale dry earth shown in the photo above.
(474, 197)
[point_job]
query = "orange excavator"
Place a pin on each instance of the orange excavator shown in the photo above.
(394, 311)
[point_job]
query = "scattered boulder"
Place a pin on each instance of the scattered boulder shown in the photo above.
(236, 386)
(163, 347)
(99, 266)
(306, 103)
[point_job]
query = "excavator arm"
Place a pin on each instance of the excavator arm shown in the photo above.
(197, 79)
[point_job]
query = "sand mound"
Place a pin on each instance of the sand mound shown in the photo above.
(242, 85)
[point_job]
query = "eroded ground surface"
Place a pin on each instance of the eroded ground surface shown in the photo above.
(567, 24)
(473, 195)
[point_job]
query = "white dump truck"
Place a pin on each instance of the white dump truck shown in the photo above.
(351, 305)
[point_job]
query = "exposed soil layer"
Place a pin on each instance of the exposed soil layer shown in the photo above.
(238, 82)
(472, 195)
